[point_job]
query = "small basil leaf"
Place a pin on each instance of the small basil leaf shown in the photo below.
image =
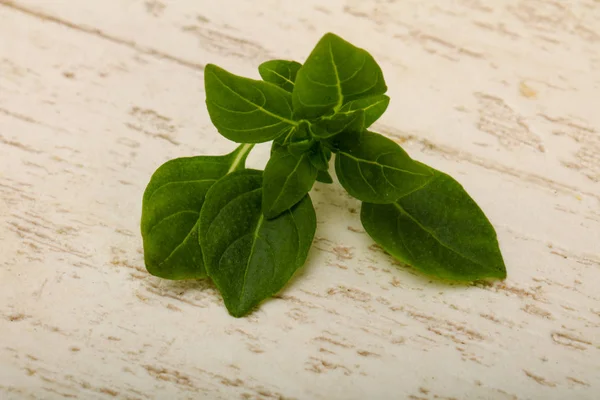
(245, 110)
(275, 146)
(438, 229)
(324, 177)
(335, 73)
(280, 72)
(300, 140)
(339, 123)
(170, 208)
(317, 156)
(299, 148)
(301, 133)
(373, 107)
(287, 179)
(378, 170)
(249, 257)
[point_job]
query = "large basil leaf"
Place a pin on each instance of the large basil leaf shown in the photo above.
(377, 170)
(287, 179)
(439, 230)
(249, 257)
(280, 72)
(335, 73)
(245, 110)
(170, 209)
(372, 106)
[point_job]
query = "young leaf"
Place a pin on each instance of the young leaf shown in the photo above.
(285, 137)
(299, 141)
(170, 209)
(327, 153)
(318, 156)
(275, 146)
(335, 73)
(280, 72)
(249, 257)
(439, 230)
(245, 110)
(378, 170)
(339, 123)
(324, 177)
(287, 179)
(373, 107)
(340, 131)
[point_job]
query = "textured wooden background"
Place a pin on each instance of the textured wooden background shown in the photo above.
(94, 95)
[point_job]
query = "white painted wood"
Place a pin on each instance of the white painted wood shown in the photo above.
(94, 95)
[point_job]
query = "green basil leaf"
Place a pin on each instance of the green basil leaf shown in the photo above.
(341, 130)
(438, 229)
(335, 73)
(297, 141)
(299, 148)
(280, 72)
(249, 257)
(284, 138)
(378, 170)
(245, 110)
(339, 123)
(319, 156)
(287, 179)
(346, 141)
(170, 209)
(324, 177)
(373, 107)
(275, 146)
(300, 140)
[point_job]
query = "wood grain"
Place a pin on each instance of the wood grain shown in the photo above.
(500, 94)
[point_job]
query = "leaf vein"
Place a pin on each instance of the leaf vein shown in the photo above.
(260, 107)
(255, 239)
(180, 244)
(432, 233)
(340, 100)
(178, 182)
(281, 76)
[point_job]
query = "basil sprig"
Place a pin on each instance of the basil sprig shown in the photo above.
(250, 231)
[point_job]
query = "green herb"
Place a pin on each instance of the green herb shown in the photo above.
(280, 72)
(250, 231)
(377, 170)
(324, 177)
(248, 256)
(171, 208)
(439, 230)
(373, 107)
(245, 110)
(334, 74)
(287, 179)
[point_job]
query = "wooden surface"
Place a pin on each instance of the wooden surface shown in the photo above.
(94, 95)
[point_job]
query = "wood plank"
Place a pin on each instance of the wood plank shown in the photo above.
(94, 97)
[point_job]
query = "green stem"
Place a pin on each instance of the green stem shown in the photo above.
(240, 157)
